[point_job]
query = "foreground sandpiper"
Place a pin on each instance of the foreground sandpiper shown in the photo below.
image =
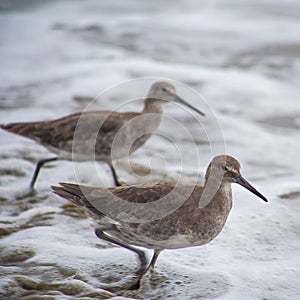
(189, 225)
(90, 135)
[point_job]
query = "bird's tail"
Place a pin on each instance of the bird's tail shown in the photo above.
(78, 195)
(24, 129)
(72, 192)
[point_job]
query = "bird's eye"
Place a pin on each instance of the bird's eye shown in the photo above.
(224, 168)
(164, 89)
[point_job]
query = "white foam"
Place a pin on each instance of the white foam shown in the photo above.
(240, 57)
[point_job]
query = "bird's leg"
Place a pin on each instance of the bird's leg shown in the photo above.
(141, 254)
(153, 260)
(145, 270)
(113, 171)
(39, 164)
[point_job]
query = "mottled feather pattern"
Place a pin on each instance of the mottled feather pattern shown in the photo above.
(74, 193)
(200, 225)
(57, 135)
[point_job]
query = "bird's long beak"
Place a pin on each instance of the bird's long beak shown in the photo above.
(180, 100)
(243, 182)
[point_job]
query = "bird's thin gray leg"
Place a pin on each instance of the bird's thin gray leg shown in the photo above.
(142, 257)
(145, 270)
(153, 260)
(39, 164)
(113, 171)
(154, 257)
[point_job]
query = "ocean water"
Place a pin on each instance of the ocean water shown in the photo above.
(243, 60)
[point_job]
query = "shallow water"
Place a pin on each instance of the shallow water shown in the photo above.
(243, 58)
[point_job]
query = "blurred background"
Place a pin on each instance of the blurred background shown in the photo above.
(243, 57)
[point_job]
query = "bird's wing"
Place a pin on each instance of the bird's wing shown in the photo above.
(142, 193)
(111, 202)
(59, 133)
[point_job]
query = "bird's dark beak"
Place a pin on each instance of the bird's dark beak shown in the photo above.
(243, 182)
(180, 100)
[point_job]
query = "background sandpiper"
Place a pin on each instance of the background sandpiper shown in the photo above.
(92, 135)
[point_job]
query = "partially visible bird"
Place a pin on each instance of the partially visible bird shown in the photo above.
(191, 216)
(94, 134)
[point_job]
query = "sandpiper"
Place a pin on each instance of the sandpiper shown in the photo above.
(191, 224)
(91, 135)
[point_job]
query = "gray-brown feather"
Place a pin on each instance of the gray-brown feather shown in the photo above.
(198, 225)
(58, 135)
(75, 194)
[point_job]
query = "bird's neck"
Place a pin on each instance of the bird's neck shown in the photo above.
(152, 105)
(216, 193)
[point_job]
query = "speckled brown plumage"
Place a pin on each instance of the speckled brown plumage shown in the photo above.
(189, 224)
(57, 135)
(91, 135)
